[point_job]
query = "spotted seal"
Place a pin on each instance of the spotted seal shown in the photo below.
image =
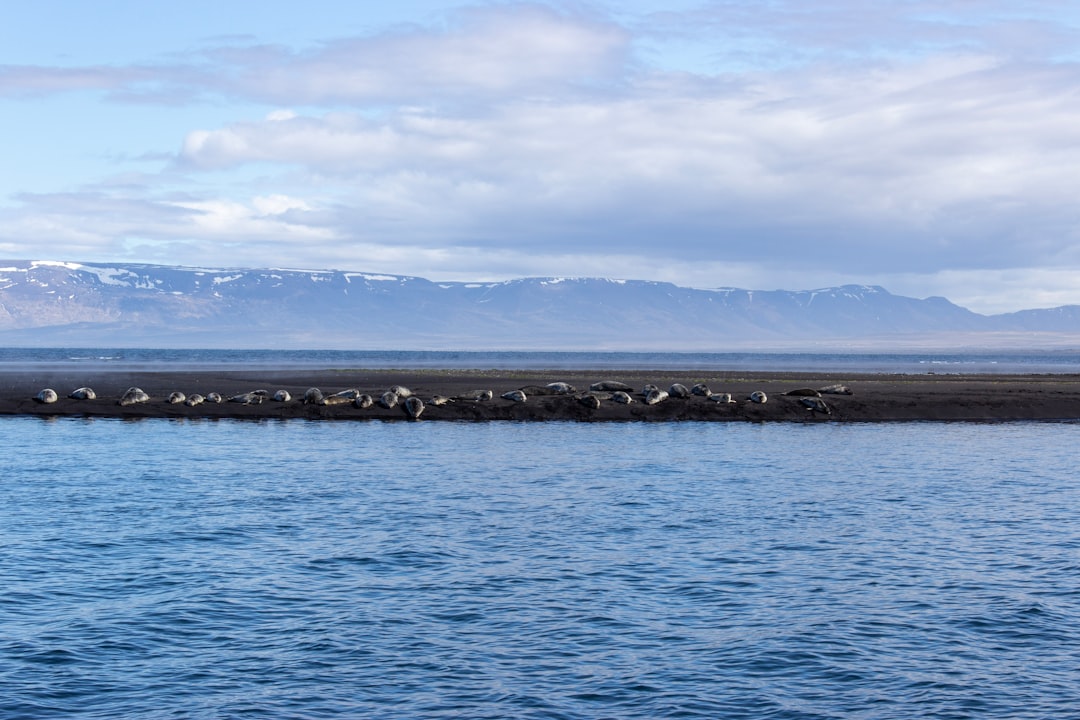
(656, 396)
(721, 397)
(701, 390)
(835, 390)
(590, 401)
(176, 398)
(46, 396)
(133, 396)
(515, 395)
(401, 391)
(343, 397)
(388, 399)
(815, 405)
(213, 397)
(611, 386)
(678, 390)
(83, 393)
(364, 401)
(476, 395)
(439, 400)
(282, 396)
(803, 392)
(255, 397)
(194, 399)
(621, 396)
(414, 406)
(313, 396)
(758, 397)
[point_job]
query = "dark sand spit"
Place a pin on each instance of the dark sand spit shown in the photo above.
(875, 398)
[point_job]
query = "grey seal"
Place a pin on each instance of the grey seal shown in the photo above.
(758, 397)
(611, 386)
(133, 396)
(835, 390)
(213, 397)
(656, 396)
(515, 395)
(803, 392)
(46, 396)
(194, 399)
(364, 401)
(815, 404)
(83, 393)
(414, 406)
(282, 396)
(476, 395)
(176, 398)
(313, 396)
(388, 399)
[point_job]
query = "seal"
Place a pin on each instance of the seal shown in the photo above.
(46, 396)
(803, 392)
(248, 398)
(132, 396)
(401, 391)
(388, 399)
(176, 398)
(341, 398)
(758, 397)
(83, 393)
(621, 396)
(701, 390)
(414, 406)
(815, 405)
(515, 395)
(194, 399)
(313, 396)
(213, 397)
(721, 397)
(835, 390)
(364, 401)
(476, 395)
(648, 389)
(678, 390)
(282, 396)
(656, 396)
(610, 386)
(439, 400)
(590, 401)
(561, 388)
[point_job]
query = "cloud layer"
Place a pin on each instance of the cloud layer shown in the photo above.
(929, 148)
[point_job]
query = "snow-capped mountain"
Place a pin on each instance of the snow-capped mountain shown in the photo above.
(67, 303)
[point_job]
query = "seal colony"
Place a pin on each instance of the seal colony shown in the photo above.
(534, 395)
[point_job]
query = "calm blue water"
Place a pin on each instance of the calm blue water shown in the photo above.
(175, 569)
(134, 358)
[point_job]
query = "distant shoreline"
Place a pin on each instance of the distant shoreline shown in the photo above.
(875, 397)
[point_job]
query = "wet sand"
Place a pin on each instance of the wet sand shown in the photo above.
(875, 398)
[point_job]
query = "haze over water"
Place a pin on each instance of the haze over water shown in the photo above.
(547, 570)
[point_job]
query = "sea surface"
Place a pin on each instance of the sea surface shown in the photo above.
(1065, 361)
(297, 569)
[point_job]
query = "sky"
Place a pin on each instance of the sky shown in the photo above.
(931, 147)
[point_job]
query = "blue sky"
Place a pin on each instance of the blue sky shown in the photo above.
(930, 147)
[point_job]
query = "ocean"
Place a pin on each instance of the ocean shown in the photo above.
(298, 569)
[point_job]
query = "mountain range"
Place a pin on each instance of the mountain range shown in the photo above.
(50, 303)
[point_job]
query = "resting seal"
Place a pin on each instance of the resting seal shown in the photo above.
(620, 396)
(176, 398)
(656, 396)
(133, 396)
(255, 397)
(835, 390)
(213, 397)
(701, 389)
(758, 397)
(194, 399)
(590, 401)
(46, 396)
(515, 395)
(282, 396)
(803, 392)
(678, 390)
(476, 395)
(440, 400)
(413, 407)
(341, 398)
(401, 391)
(815, 404)
(388, 399)
(313, 396)
(363, 402)
(610, 386)
(83, 393)
(721, 397)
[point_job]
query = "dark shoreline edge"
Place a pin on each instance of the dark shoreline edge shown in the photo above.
(875, 398)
